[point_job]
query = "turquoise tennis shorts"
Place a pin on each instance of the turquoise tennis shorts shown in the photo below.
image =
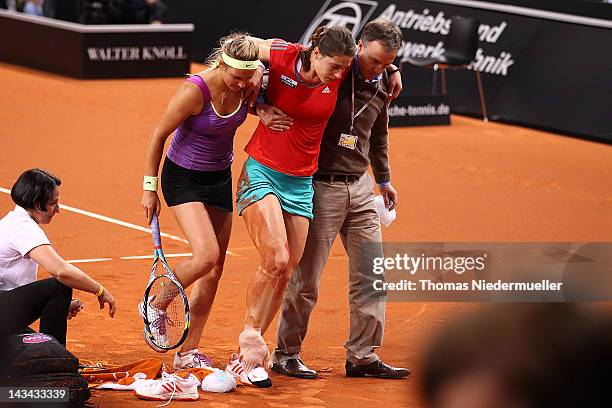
(257, 180)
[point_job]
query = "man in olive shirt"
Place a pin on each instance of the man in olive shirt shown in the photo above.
(355, 137)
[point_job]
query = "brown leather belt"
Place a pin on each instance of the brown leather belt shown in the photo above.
(341, 178)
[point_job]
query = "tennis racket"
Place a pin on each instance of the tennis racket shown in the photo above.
(165, 309)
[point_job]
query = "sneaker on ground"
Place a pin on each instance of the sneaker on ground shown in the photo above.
(191, 359)
(157, 325)
(258, 376)
(171, 387)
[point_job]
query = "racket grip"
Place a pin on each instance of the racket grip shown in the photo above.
(155, 231)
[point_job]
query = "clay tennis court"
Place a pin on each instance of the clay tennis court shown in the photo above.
(471, 181)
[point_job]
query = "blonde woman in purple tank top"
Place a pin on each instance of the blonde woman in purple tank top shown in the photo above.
(196, 176)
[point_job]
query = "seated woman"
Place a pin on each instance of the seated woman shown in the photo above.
(24, 246)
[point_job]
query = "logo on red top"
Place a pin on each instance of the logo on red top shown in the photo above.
(288, 81)
(36, 338)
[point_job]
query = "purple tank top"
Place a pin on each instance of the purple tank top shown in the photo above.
(204, 141)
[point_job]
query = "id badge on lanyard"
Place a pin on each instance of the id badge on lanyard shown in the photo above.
(349, 140)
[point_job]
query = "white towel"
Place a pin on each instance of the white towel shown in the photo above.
(386, 216)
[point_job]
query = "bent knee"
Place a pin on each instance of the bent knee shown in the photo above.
(276, 261)
(204, 263)
(215, 273)
(59, 288)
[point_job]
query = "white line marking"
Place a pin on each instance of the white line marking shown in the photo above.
(252, 247)
(529, 12)
(135, 257)
(123, 224)
(128, 258)
(109, 219)
(410, 319)
(119, 222)
(151, 256)
(73, 261)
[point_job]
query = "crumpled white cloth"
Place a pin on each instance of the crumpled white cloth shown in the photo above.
(141, 381)
(218, 381)
(386, 216)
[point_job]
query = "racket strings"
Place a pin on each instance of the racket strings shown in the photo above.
(167, 312)
(161, 322)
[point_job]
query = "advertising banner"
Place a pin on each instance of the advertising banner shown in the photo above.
(539, 68)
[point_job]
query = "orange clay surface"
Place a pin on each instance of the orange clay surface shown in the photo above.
(471, 181)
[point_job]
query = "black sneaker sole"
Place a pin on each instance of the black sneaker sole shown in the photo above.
(267, 383)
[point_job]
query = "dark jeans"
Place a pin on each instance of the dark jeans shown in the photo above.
(46, 299)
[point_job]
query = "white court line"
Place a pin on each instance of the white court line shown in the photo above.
(73, 261)
(410, 319)
(529, 12)
(136, 257)
(109, 219)
(118, 222)
(151, 256)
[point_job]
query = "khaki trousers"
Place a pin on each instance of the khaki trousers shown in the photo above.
(346, 209)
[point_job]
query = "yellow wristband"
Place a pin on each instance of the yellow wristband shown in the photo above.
(100, 291)
(149, 183)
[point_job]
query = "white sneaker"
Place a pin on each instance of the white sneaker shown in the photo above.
(191, 359)
(171, 387)
(157, 325)
(218, 381)
(258, 376)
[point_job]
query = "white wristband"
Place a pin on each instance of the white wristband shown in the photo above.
(149, 183)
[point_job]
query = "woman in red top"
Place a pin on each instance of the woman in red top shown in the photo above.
(274, 193)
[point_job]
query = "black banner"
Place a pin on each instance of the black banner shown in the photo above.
(540, 69)
(95, 51)
(136, 55)
(423, 110)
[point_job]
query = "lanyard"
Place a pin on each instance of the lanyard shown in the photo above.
(353, 114)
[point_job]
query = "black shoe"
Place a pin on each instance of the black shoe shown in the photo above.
(376, 369)
(294, 368)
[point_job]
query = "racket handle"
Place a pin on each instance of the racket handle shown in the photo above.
(155, 231)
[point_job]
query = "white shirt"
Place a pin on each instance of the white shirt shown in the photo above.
(19, 234)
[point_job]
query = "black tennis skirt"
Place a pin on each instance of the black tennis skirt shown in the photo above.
(181, 185)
